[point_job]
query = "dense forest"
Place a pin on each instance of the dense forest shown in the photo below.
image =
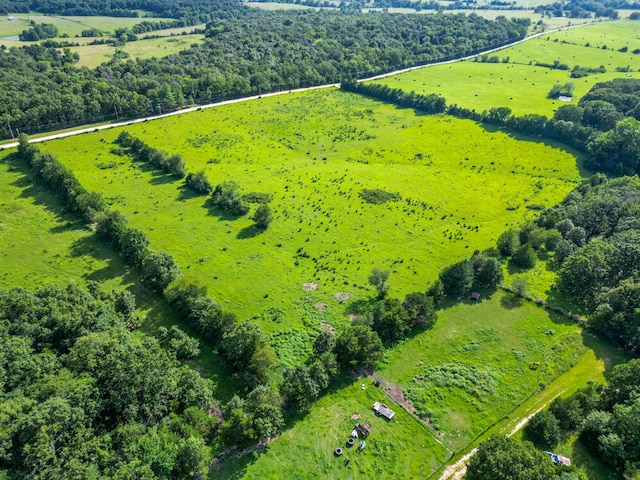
(84, 396)
(245, 54)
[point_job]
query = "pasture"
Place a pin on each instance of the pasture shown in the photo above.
(42, 244)
(69, 25)
(93, 55)
(314, 153)
(521, 85)
(168, 41)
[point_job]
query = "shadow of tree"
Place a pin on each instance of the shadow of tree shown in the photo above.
(511, 301)
(249, 232)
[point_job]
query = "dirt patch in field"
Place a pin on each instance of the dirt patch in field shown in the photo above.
(395, 392)
(310, 287)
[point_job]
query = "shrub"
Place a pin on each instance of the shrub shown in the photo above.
(378, 196)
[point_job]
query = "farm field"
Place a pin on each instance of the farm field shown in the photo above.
(170, 41)
(41, 244)
(69, 25)
(519, 84)
(323, 235)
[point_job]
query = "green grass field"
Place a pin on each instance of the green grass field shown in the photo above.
(519, 84)
(495, 341)
(402, 448)
(314, 153)
(70, 25)
(93, 55)
(42, 244)
(171, 41)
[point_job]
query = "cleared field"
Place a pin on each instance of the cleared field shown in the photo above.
(93, 55)
(42, 244)
(521, 85)
(496, 337)
(71, 26)
(314, 153)
(278, 6)
(403, 448)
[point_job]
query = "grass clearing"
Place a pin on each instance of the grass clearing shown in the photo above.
(402, 448)
(278, 6)
(42, 244)
(473, 368)
(70, 25)
(519, 84)
(93, 55)
(315, 152)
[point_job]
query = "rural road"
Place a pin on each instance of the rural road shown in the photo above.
(255, 97)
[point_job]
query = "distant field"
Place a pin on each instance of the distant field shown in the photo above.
(93, 55)
(72, 26)
(278, 6)
(519, 84)
(41, 244)
(314, 153)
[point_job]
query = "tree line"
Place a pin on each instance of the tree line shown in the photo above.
(246, 52)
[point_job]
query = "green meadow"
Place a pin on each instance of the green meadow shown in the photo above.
(461, 186)
(69, 25)
(474, 366)
(93, 55)
(521, 85)
(42, 244)
(402, 448)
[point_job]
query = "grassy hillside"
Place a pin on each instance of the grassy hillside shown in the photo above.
(521, 85)
(461, 186)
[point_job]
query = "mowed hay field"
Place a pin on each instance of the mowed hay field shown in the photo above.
(42, 244)
(461, 186)
(521, 85)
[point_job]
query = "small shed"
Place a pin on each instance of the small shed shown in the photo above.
(475, 296)
(364, 429)
(382, 409)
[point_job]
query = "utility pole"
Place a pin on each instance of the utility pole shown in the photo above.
(116, 109)
(10, 130)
